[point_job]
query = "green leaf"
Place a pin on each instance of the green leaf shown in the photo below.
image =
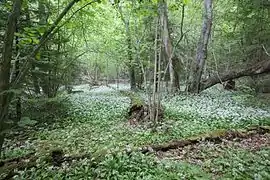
(25, 41)
(35, 40)
(155, 1)
(185, 2)
(41, 29)
(19, 34)
(38, 56)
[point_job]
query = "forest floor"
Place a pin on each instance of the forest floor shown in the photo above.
(95, 122)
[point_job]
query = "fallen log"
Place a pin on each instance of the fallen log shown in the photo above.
(259, 68)
(17, 159)
(213, 137)
(9, 167)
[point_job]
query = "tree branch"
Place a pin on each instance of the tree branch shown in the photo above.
(46, 36)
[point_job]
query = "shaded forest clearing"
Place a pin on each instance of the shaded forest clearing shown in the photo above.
(214, 140)
(195, 107)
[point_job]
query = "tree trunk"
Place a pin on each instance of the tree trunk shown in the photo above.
(131, 63)
(171, 59)
(5, 66)
(131, 66)
(132, 77)
(201, 55)
(34, 77)
(17, 70)
(140, 77)
(259, 68)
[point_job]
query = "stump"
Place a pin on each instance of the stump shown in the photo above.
(57, 157)
(139, 110)
(141, 113)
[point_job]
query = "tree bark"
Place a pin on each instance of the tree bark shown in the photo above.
(34, 77)
(17, 70)
(131, 67)
(259, 68)
(201, 55)
(171, 59)
(131, 63)
(5, 66)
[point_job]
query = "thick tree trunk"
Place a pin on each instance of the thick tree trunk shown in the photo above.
(5, 66)
(259, 68)
(202, 48)
(166, 39)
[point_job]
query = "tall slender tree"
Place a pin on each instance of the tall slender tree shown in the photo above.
(5, 66)
(168, 47)
(126, 21)
(201, 54)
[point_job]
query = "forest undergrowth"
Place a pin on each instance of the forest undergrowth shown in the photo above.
(95, 122)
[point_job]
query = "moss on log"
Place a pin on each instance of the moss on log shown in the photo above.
(215, 136)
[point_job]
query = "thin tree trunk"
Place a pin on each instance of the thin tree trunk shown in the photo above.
(107, 72)
(201, 55)
(158, 106)
(132, 77)
(5, 66)
(34, 78)
(140, 79)
(171, 59)
(153, 104)
(131, 63)
(17, 70)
